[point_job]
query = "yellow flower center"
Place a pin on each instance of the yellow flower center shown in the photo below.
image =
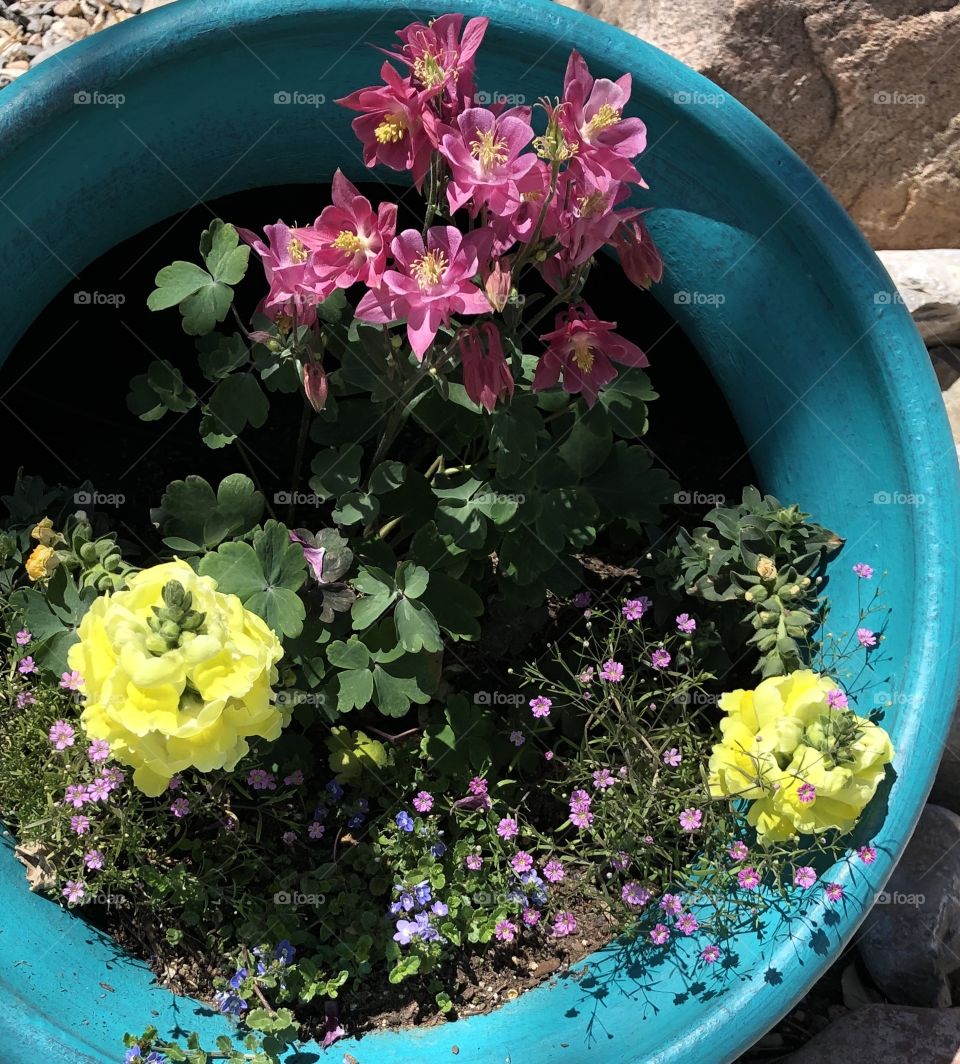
(582, 354)
(605, 117)
(533, 196)
(428, 269)
(391, 129)
(348, 242)
(297, 251)
(593, 204)
(428, 71)
(489, 152)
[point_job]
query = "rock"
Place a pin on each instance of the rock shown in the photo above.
(951, 400)
(67, 7)
(946, 365)
(150, 5)
(908, 941)
(49, 51)
(883, 1033)
(939, 324)
(946, 786)
(928, 276)
(859, 88)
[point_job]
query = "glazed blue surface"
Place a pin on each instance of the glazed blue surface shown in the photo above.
(829, 381)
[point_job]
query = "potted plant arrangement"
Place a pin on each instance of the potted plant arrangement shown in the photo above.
(444, 725)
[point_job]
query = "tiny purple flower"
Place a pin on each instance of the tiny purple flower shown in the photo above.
(660, 658)
(691, 819)
(517, 738)
(73, 891)
(866, 637)
(864, 571)
(99, 790)
(553, 871)
(261, 780)
(748, 878)
(806, 793)
(531, 917)
(635, 895)
(478, 786)
(505, 931)
(671, 904)
(685, 623)
(508, 828)
(634, 609)
(289, 837)
(540, 706)
(587, 675)
(294, 779)
(76, 796)
(738, 851)
(315, 830)
(98, 750)
(603, 778)
(521, 862)
(833, 891)
(61, 734)
(26, 666)
(423, 802)
(23, 637)
(672, 757)
(836, 699)
(180, 808)
(687, 923)
(564, 924)
(804, 877)
(71, 681)
(660, 934)
(581, 819)
(93, 859)
(25, 698)
(611, 671)
(80, 824)
(710, 954)
(621, 862)
(867, 854)
(473, 861)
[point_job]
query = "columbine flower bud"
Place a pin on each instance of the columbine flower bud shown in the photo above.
(498, 284)
(315, 385)
(553, 145)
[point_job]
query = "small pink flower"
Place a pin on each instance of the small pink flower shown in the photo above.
(23, 637)
(660, 934)
(517, 738)
(748, 878)
(486, 375)
(76, 796)
(806, 793)
(864, 571)
(180, 808)
(685, 623)
(531, 917)
(93, 860)
(603, 778)
(580, 800)
(521, 862)
(540, 706)
(423, 802)
(611, 671)
(505, 931)
(553, 871)
(315, 830)
(294, 779)
(671, 904)
(691, 819)
(672, 757)
(73, 891)
(564, 923)
(71, 681)
(80, 824)
(289, 837)
(581, 819)
(99, 790)
(431, 282)
(582, 349)
(508, 828)
(473, 861)
(836, 699)
(478, 786)
(867, 854)
(805, 877)
(687, 923)
(710, 954)
(261, 780)
(548, 755)
(634, 609)
(620, 862)
(634, 895)
(586, 676)
(660, 658)
(26, 666)
(98, 750)
(738, 851)
(833, 891)
(866, 637)
(25, 698)
(61, 734)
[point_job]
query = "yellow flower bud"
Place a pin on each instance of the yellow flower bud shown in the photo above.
(43, 533)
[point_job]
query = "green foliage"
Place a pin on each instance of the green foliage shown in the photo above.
(192, 516)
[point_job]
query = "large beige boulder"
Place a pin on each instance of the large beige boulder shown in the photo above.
(866, 91)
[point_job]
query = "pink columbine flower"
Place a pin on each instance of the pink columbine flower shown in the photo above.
(748, 878)
(806, 793)
(93, 860)
(591, 116)
(76, 796)
(685, 623)
(432, 281)
(486, 157)
(350, 240)
(805, 877)
(531, 917)
(672, 757)
(439, 57)
(261, 780)
(486, 375)
(423, 802)
(564, 924)
(660, 934)
(294, 287)
(738, 851)
(633, 609)
(394, 124)
(294, 779)
(864, 571)
(73, 891)
(180, 808)
(540, 706)
(866, 637)
(521, 862)
(582, 349)
(505, 931)
(98, 750)
(836, 699)
(660, 658)
(517, 738)
(603, 778)
(312, 555)
(26, 666)
(639, 258)
(691, 819)
(79, 824)
(71, 681)
(634, 895)
(25, 698)
(315, 829)
(671, 904)
(478, 786)
(710, 954)
(834, 892)
(508, 828)
(473, 861)
(553, 871)
(23, 637)
(61, 734)
(867, 854)
(687, 923)
(611, 671)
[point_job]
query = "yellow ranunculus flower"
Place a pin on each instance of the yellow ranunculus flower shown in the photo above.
(176, 682)
(806, 765)
(41, 562)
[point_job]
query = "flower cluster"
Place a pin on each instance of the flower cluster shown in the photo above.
(799, 754)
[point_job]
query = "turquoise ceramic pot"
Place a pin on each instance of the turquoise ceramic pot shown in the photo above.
(791, 310)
